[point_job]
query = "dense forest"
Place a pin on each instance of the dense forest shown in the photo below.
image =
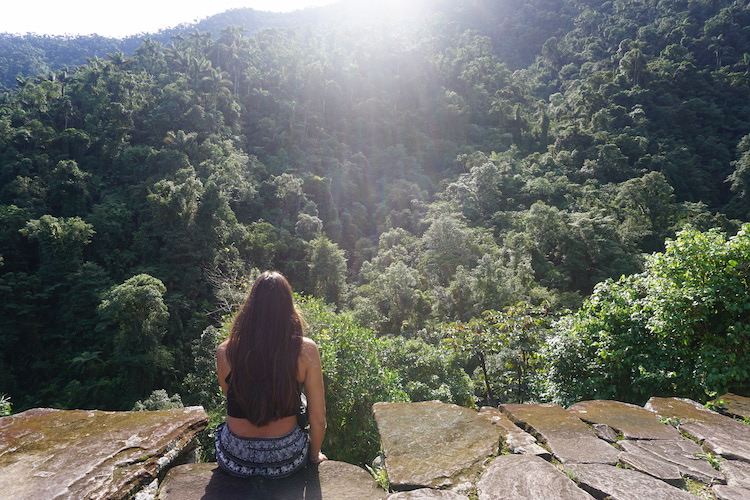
(478, 202)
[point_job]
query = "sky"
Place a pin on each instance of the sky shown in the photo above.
(123, 18)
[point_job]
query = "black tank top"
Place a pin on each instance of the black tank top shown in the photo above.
(234, 409)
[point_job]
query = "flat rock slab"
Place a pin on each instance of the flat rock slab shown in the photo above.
(527, 477)
(567, 437)
(54, 454)
(721, 435)
(732, 404)
(652, 466)
(427, 494)
(329, 480)
(736, 473)
(634, 422)
(731, 492)
(682, 456)
(516, 439)
(432, 444)
(614, 483)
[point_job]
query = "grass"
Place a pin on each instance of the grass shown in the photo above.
(381, 476)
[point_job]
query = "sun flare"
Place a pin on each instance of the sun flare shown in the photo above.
(374, 10)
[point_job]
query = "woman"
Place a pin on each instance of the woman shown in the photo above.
(262, 367)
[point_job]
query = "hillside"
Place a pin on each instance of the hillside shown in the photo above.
(444, 184)
(32, 55)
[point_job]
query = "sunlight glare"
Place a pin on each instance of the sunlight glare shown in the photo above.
(370, 10)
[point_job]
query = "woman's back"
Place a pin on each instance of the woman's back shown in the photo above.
(241, 425)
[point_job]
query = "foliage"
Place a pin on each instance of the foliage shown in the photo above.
(136, 315)
(740, 177)
(513, 338)
(428, 372)
(678, 329)
(380, 475)
(5, 406)
(327, 270)
(714, 461)
(159, 400)
(201, 386)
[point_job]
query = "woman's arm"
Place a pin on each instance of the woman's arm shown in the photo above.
(222, 366)
(316, 402)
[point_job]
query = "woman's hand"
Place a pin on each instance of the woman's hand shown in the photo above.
(320, 458)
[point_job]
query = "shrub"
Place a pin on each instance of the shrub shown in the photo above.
(680, 328)
(355, 378)
(5, 406)
(159, 400)
(429, 372)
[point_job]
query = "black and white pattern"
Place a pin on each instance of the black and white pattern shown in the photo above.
(273, 457)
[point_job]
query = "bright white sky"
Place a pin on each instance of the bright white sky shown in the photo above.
(124, 17)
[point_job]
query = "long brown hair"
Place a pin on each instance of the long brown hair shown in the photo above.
(263, 348)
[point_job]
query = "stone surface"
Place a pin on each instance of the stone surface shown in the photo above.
(614, 483)
(427, 494)
(652, 466)
(736, 473)
(733, 404)
(652, 456)
(566, 436)
(731, 492)
(329, 480)
(432, 444)
(527, 477)
(55, 454)
(722, 436)
(634, 422)
(515, 439)
(605, 432)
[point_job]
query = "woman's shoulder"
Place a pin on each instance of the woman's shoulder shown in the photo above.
(308, 343)
(309, 351)
(221, 350)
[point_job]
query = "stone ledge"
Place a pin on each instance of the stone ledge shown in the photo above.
(445, 447)
(432, 451)
(328, 480)
(49, 454)
(433, 444)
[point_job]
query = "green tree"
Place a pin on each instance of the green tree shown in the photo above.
(648, 210)
(393, 302)
(201, 386)
(429, 372)
(68, 189)
(450, 243)
(678, 329)
(327, 270)
(512, 339)
(61, 242)
(740, 179)
(135, 315)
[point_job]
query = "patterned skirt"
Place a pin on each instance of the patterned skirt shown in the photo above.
(273, 457)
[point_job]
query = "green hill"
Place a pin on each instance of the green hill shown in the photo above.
(412, 168)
